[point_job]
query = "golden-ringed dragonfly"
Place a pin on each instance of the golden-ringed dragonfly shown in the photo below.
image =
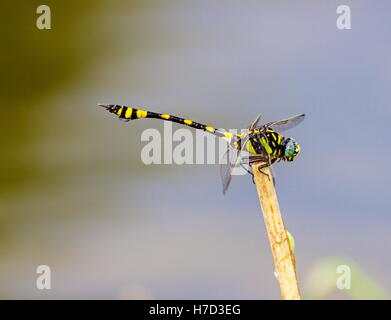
(261, 142)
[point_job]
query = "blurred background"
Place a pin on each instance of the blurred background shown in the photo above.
(75, 195)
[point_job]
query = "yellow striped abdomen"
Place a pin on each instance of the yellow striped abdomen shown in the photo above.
(129, 113)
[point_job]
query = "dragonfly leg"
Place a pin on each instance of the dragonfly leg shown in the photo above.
(258, 158)
(260, 167)
(252, 159)
(267, 159)
(248, 170)
(269, 164)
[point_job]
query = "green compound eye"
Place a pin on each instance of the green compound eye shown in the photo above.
(289, 149)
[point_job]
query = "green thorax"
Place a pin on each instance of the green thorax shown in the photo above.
(259, 141)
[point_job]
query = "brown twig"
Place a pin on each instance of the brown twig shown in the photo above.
(284, 259)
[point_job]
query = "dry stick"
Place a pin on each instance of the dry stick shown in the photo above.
(284, 259)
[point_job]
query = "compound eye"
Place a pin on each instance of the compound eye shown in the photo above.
(289, 149)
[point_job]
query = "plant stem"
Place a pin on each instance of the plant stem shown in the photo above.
(284, 259)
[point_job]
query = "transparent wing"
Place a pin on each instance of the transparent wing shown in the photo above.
(256, 123)
(228, 163)
(273, 174)
(233, 163)
(286, 124)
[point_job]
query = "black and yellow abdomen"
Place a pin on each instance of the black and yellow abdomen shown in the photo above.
(128, 113)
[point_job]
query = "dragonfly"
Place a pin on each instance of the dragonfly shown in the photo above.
(258, 143)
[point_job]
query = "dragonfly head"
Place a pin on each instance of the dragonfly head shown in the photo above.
(290, 149)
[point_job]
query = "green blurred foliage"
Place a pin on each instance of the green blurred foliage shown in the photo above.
(321, 281)
(34, 64)
(37, 61)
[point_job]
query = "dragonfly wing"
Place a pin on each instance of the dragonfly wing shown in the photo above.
(256, 123)
(286, 124)
(273, 174)
(225, 172)
(228, 162)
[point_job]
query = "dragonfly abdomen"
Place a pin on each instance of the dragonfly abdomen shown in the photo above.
(128, 113)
